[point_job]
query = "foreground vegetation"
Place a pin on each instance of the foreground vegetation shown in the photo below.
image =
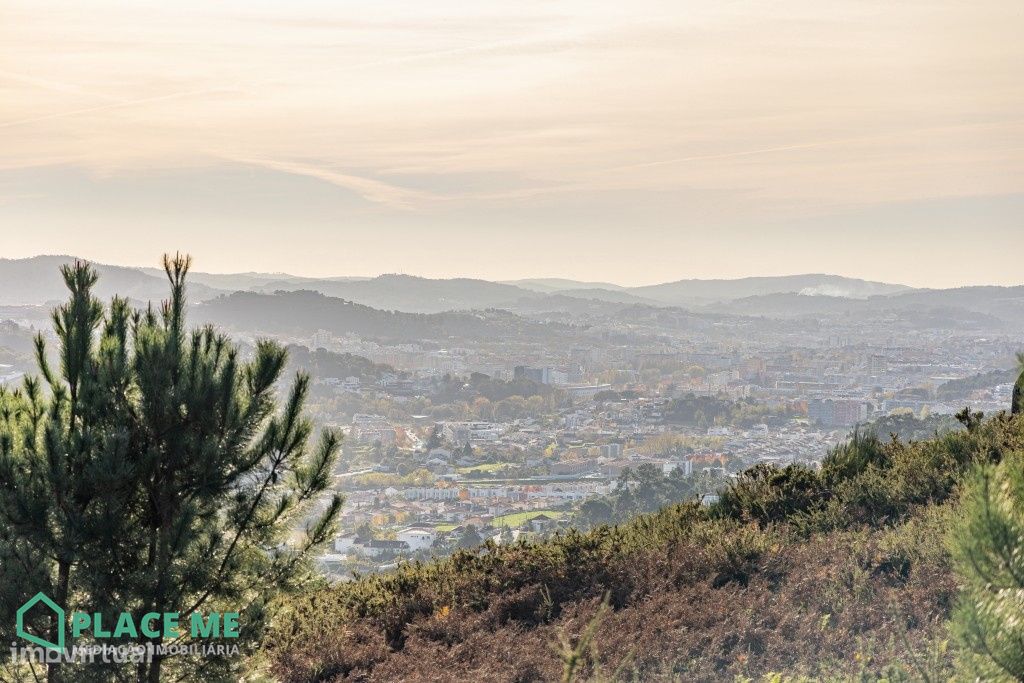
(840, 573)
(153, 470)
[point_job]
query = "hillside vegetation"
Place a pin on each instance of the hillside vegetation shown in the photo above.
(843, 573)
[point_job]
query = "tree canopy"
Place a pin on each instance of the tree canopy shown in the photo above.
(150, 468)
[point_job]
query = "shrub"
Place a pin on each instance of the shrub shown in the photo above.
(848, 564)
(768, 494)
(988, 544)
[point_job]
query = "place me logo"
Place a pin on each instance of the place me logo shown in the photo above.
(59, 614)
(152, 625)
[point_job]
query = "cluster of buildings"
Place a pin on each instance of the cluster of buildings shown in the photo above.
(793, 390)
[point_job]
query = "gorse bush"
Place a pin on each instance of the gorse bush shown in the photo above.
(850, 459)
(768, 494)
(838, 573)
(643, 490)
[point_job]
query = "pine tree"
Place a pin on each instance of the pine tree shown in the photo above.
(62, 452)
(1017, 404)
(987, 547)
(158, 473)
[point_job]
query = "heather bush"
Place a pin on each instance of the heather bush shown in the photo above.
(841, 574)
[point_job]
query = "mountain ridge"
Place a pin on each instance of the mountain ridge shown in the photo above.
(35, 281)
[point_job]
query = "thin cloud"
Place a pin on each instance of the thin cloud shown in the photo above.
(112, 105)
(369, 189)
(562, 41)
(56, 86)
(815, 145)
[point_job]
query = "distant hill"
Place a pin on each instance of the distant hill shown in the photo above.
(37, 280)
(561, 304)
(426, 295)
(409, 293)
(611, 296)
(230, 282)
(702, 292)
(548, 285)
(982, 307)
(301, 313)
(1004, 303)
(986, 299)
(787, 304)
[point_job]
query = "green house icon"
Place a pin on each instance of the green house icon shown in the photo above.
(57, 610)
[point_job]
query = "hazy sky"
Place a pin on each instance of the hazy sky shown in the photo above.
(635, 141)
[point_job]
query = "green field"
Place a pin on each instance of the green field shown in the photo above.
(484, 467)
(518, 518)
